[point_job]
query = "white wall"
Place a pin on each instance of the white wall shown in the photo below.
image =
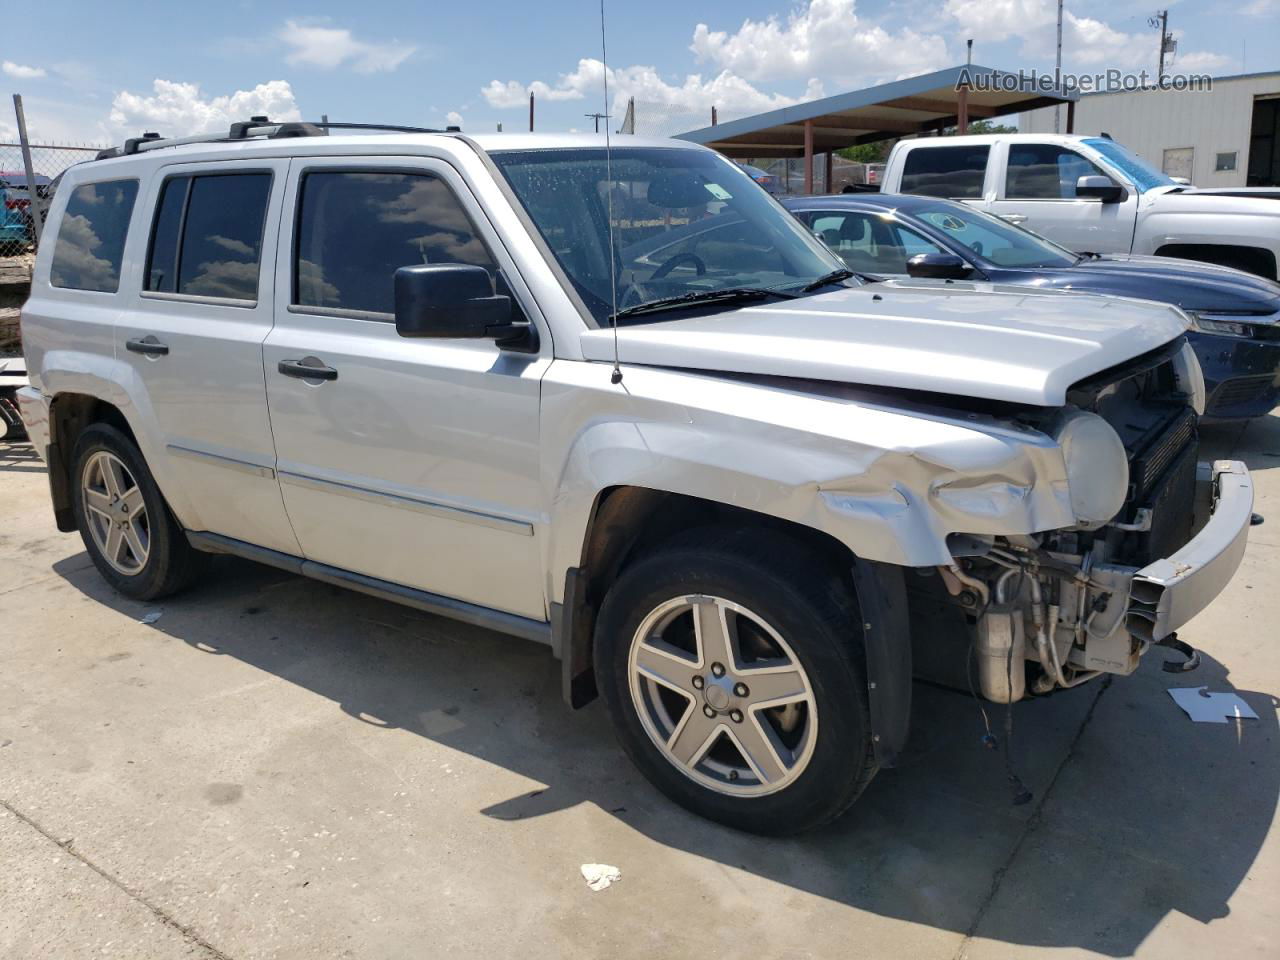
(1151, 121)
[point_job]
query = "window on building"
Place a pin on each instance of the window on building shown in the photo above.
(1224, 162)
(91, 237)
(953, 172)
(207, 236)
(356, 229)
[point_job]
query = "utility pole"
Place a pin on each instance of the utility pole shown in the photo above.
(597, 117)
(1057, 74)
(531, 111)
(1167, 43)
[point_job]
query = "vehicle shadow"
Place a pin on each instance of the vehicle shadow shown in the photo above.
(1124, 784)
(19, 457)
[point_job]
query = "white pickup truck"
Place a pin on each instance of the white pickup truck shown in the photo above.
(1091, 194)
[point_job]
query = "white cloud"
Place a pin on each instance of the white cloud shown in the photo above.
(1086, 42)
(825, 38)
(1261, 8)
(453, 118)
(20, 71)
(179, 109)
(317, 45)
(726, 90)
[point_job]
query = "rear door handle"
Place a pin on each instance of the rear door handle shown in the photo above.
(1013, 217)
(308, 368)
(148, 345)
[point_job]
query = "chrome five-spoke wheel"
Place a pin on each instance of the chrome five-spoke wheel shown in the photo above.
(116, 513)
(722, 695)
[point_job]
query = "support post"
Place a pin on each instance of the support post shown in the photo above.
(1071, 116)
(531, 111)
(713, 115)
(826, 183)
(33, 207)
(808, 157)
(962, 111)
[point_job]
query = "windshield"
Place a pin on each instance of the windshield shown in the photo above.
(991, 238)
(683, 221)
(1133, 167)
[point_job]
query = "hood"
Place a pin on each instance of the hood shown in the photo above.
(1188, 284)
(969, 339)
(1191, 200)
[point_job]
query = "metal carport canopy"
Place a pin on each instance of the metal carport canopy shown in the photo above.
(912, 106)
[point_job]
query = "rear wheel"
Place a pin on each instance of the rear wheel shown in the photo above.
(127, 528)
(733, 672)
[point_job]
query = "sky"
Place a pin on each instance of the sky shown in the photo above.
(92, 72)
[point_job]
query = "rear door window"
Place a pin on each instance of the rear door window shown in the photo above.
(355, 229)
(956, 173)
(91, 237)
(207, 237)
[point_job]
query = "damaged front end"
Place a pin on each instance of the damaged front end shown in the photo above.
(1048, 611)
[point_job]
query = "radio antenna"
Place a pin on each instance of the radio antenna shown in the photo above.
(616, 376)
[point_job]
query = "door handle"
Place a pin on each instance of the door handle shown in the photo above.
(308, 368)
(1013, 217)
(148, 345)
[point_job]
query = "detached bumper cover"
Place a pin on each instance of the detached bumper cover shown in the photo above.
(1166, 594)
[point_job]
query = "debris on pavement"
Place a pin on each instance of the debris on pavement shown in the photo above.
(600, 875)
(1204, 707)
(151, 617)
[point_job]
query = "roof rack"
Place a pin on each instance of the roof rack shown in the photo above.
(256, 128)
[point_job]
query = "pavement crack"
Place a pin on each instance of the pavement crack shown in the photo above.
(187, 932)
(1032, 824)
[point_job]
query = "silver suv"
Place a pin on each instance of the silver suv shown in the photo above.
(624, 405)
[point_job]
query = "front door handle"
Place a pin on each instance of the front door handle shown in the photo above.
(148, 345)
(308, 368)
(1013, 217)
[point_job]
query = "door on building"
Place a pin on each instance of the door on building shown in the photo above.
(1264, 143)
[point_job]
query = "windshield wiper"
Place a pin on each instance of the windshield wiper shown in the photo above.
(726, 295)
(835, 276)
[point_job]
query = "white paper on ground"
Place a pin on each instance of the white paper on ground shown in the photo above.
(600, 875)
(151, 617)
(1204, 707)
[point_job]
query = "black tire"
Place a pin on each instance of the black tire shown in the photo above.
(812, 608)
(172, 563)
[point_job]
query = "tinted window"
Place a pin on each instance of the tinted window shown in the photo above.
(356, 229)
(955, 172)
(870, 243)
(91, 236)
(1043, 171)
(222, 236)
(998, 241)
(162, 261)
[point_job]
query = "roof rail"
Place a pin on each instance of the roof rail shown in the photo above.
(254, 128)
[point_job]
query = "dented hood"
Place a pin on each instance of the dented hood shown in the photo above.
(967, 339)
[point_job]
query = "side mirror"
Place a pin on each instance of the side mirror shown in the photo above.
(938, 266)
(453, 300)
(1099, 188)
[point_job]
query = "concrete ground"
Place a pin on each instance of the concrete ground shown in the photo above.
(276, 768)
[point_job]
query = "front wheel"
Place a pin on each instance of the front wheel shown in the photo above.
(733, 672)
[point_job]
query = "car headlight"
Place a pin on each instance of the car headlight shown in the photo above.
(1223, 325)
(1097, 467)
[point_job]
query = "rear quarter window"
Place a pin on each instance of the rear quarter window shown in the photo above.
(91, 237)
(956, 173)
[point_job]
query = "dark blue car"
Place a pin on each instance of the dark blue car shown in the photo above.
(1236, 314)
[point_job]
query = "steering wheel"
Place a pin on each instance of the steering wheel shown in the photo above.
(668, 265)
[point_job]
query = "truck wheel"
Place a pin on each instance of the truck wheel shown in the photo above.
(124, 522)
(733, 671)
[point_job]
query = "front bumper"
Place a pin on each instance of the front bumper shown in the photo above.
(1242, 377)
(1167, 593)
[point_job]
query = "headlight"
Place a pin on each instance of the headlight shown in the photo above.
(1097, 467)
(1224, 325)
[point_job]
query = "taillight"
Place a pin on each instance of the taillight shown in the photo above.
(16, 204)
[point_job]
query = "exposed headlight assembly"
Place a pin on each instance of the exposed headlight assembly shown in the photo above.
(1097, 467)
(1223, 325)
(1189, 378)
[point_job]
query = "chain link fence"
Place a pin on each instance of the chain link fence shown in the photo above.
(21, 204)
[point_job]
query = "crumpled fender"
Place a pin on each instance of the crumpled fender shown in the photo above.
(890, 484)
